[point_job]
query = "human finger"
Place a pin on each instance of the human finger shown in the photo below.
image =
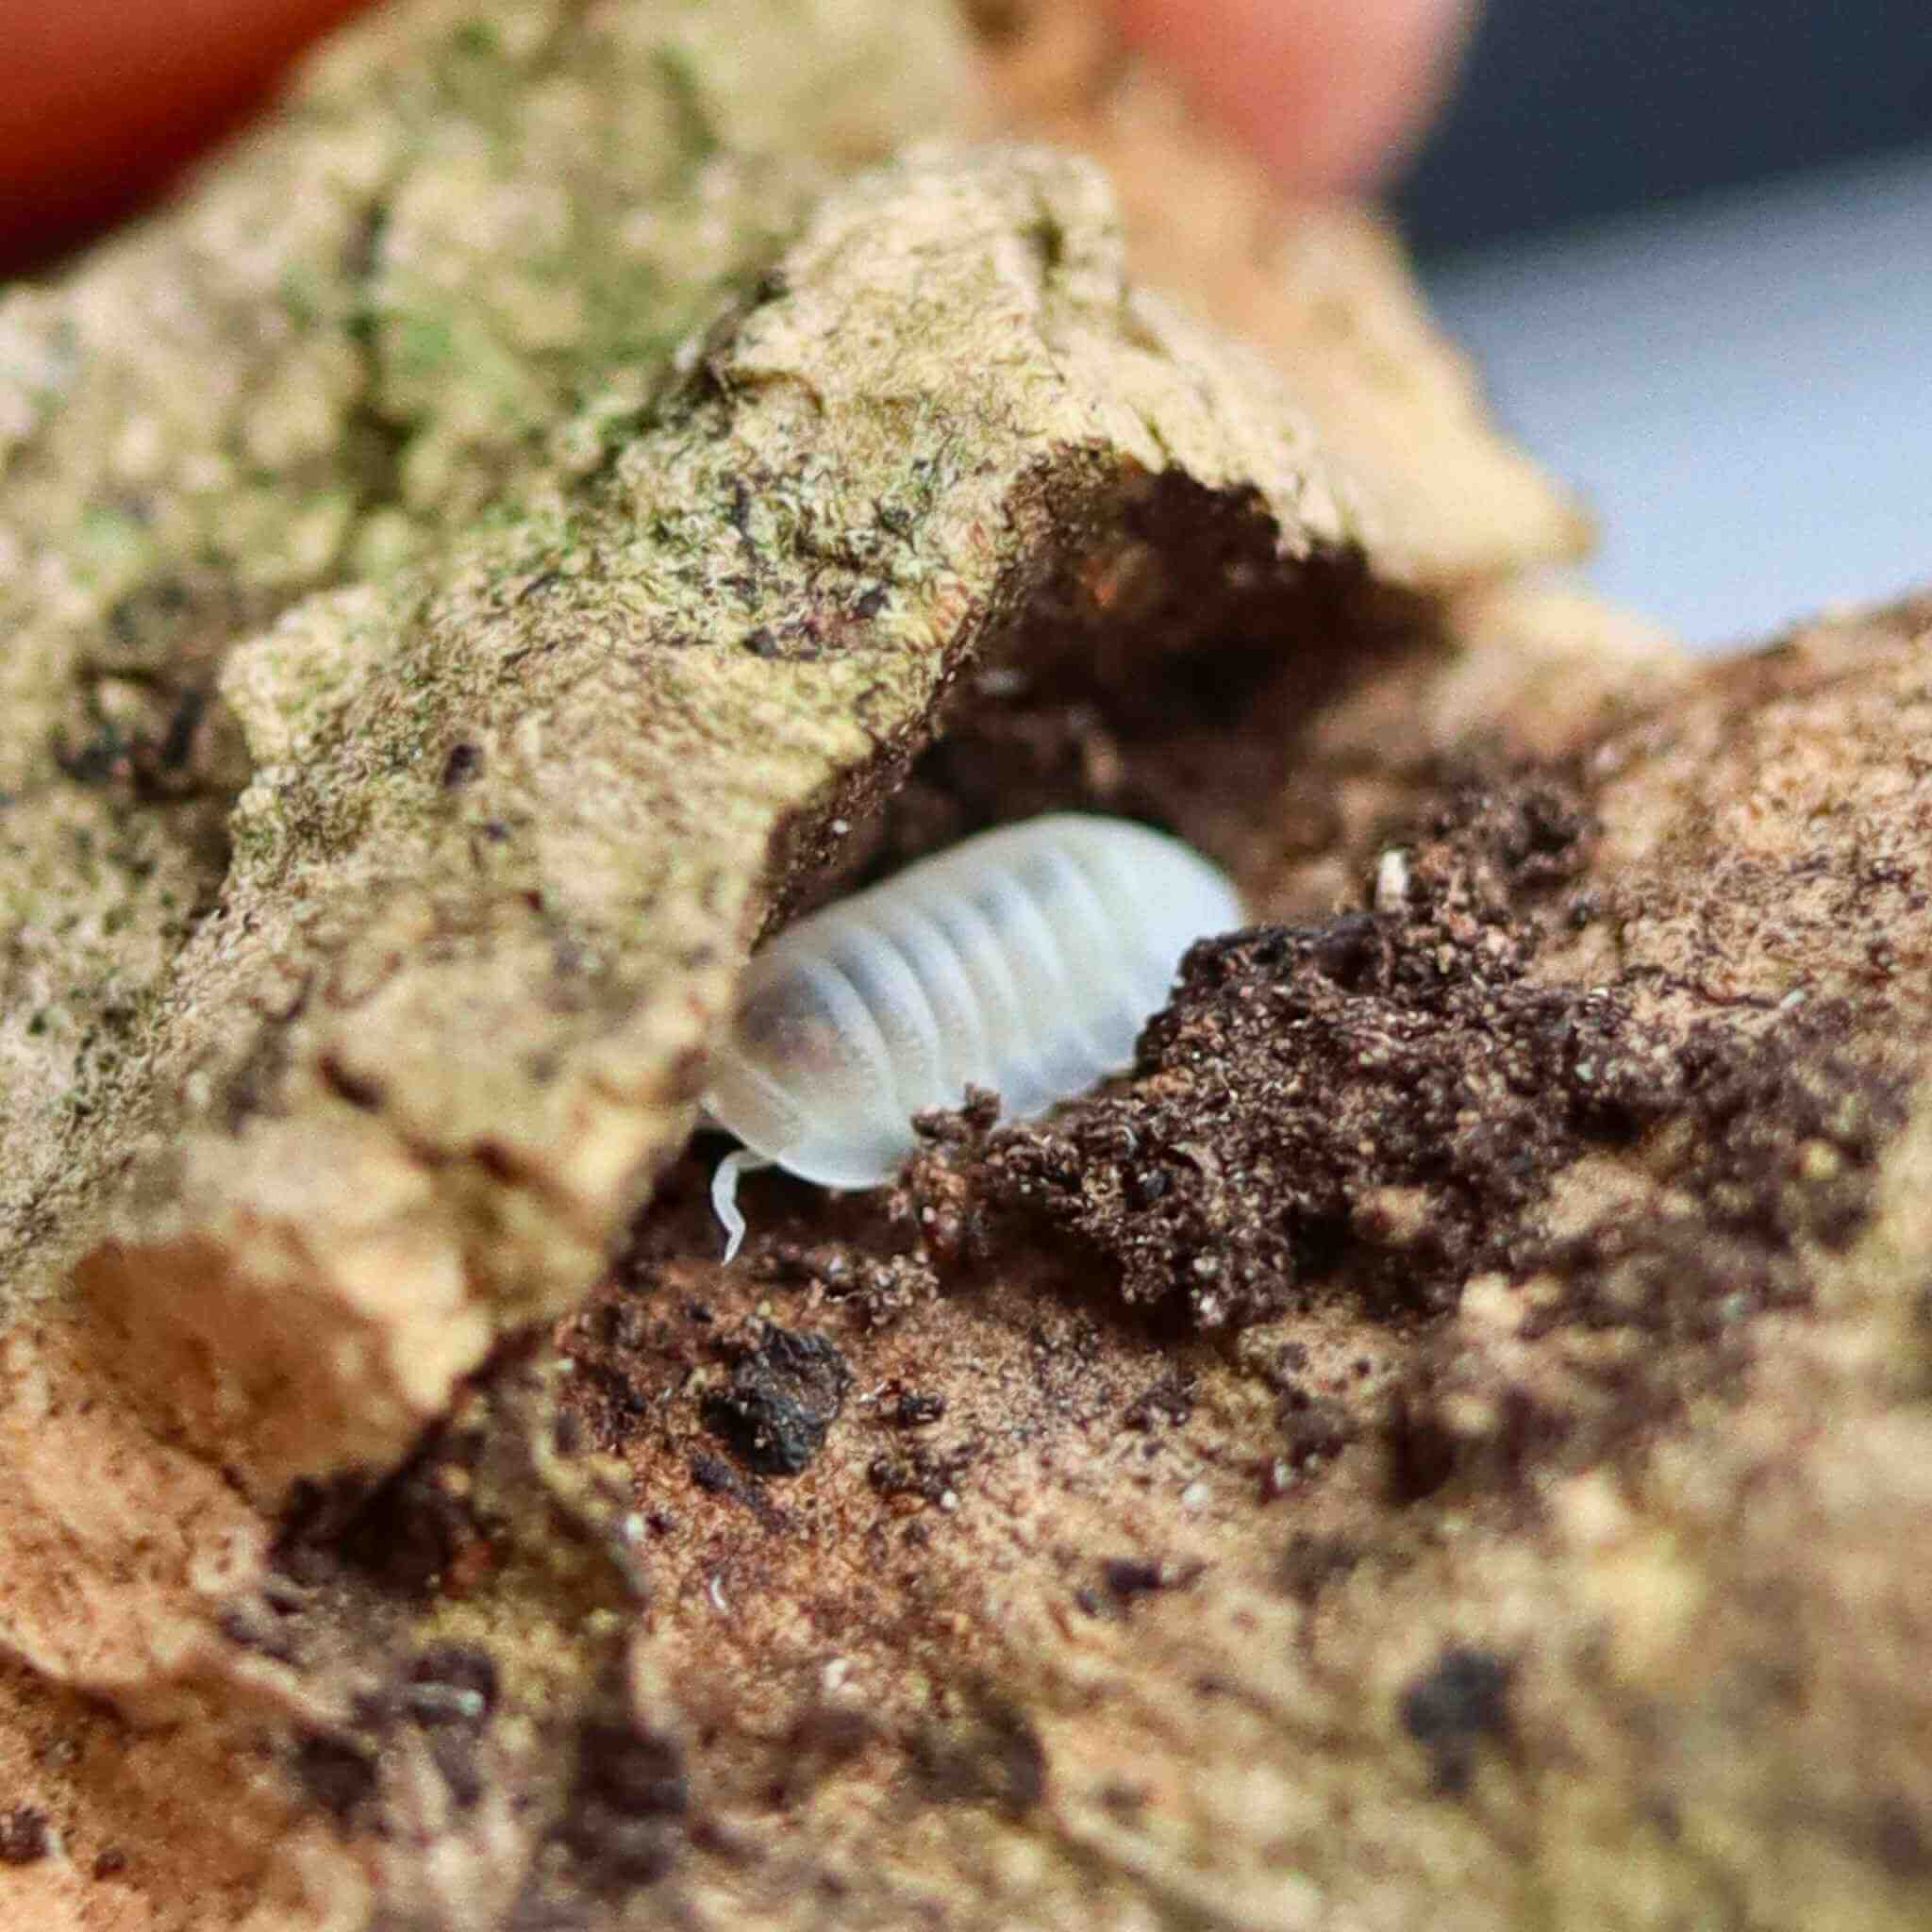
(1328, 92)
(104, 99)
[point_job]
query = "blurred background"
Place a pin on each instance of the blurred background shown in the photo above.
(1689, 240)
(1691, 245)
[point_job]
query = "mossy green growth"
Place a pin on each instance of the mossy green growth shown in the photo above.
(454, 263)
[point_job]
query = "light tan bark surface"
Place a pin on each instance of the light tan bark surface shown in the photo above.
(570, 488)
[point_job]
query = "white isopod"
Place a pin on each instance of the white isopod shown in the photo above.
(1026, 960)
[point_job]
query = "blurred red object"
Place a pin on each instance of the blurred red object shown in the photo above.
(106, 100)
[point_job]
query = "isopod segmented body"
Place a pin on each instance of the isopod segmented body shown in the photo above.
(1026, 960)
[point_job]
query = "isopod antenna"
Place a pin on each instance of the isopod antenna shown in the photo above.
(741, 1160)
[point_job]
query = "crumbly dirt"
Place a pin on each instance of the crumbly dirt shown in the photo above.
(1381, 1094)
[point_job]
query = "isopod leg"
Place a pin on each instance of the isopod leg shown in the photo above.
(724, 1195)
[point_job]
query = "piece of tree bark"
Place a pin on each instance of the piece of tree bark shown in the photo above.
(597, 521)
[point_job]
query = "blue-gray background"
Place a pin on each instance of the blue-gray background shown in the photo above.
(1690, 243)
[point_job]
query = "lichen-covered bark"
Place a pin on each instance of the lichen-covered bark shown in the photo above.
(412, 911)
(1441, 1444)
(457, 259)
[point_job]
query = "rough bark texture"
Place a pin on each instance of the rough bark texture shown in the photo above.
(1325, 291)
(1443, 1443)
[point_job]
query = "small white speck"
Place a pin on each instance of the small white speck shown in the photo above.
(633, 1526)
(1796, 997)
(716, 1592)
(840, 826)
(1391, 880)
(949, 1499)
(1193, 1495)
(832, 1678)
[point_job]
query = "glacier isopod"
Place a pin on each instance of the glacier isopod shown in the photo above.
(1026, 960)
